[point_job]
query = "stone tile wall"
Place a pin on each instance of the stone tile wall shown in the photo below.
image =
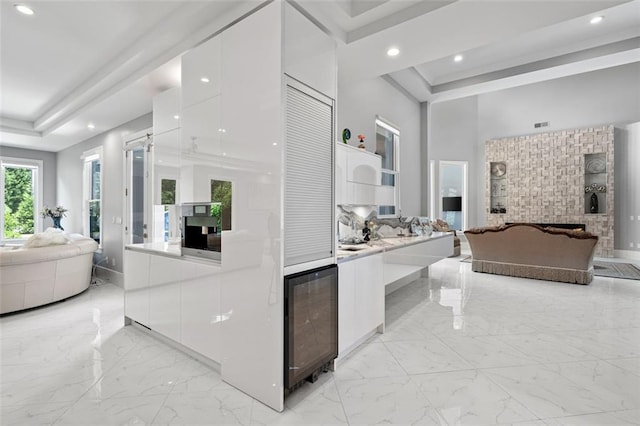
(546, 176)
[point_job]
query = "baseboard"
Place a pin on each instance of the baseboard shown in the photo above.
(214, 365)
(627, 254)
(109, 276)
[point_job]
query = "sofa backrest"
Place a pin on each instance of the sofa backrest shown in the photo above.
(76, 247)
(532, 245)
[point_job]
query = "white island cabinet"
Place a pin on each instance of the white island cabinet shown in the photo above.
(368, 274)
(175, 297)
(360, 301)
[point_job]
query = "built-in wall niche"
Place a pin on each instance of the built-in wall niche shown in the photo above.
(498, 187)
(595, 183)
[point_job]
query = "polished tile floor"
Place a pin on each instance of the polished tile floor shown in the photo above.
(459, 348)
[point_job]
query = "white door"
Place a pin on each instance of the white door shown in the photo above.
(138, 189)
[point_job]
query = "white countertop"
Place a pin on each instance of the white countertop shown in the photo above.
(157, 248)
(372, 247)
(384, 244)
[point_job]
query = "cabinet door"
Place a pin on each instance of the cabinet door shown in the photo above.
(341, 175)
(165, 277)
(362, 194)
(201, 128)
(166, 111)
(346, 306)
(309, 213)
(201, 316)
(364, 167)
(201, 72)
(369, 294)
(309, 53)
(136, 286)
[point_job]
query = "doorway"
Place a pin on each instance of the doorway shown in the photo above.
(451, 203)
(138, 188)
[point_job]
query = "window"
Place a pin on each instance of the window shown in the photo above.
(92, 190)
(168, 191)
(21, 183)
(221, 191)
(168, 197)
(387, 146)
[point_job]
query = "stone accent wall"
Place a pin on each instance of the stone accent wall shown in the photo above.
(546, 178)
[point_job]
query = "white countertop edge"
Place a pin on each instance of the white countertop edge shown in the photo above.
(404, 242)
(169, 250)
(165, 249)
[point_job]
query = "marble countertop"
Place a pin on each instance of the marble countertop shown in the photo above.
(347, 252)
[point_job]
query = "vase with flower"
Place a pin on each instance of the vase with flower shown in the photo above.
(56, 215)
(362, 145)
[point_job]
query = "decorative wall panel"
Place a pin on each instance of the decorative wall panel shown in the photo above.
(546, 180)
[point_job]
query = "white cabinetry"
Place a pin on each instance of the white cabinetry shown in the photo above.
(201, 72)
(201, 316)
(136, 285)
(358, 175)
(309, 55)
(202, 128)
(166, 111)
(360, 300)
(165, 275)
(175, 297)
(341, 174)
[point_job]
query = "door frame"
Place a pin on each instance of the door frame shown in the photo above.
(435, 197)
(144, 139)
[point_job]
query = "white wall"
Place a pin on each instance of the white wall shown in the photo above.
(69, 183)
(358, 105)
(49, 172)
(607, 96)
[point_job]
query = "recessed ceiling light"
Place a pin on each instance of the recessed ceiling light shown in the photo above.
(24, 9)
(91, 126)
(597, 19)
(458, 58)
(204, 79)
(176, 117)
(275, 144)
(394, 51)
(221, 130)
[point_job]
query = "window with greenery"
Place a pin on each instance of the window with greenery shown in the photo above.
(387, 146)
(168, 191)
(92, 184)
(221, 203)
(168, 196)
(20, 198)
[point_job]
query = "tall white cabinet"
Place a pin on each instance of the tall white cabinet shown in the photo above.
(233, 116)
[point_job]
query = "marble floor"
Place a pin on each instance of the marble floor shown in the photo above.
(460, 348)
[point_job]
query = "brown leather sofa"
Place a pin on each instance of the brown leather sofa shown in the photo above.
(531, 251)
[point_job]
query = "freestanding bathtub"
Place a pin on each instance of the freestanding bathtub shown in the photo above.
(31, 277)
